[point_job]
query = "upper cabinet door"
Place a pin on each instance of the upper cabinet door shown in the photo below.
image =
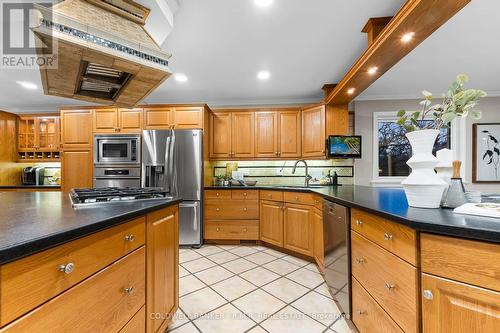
(130, 120)
(266, 134)
(76, 128)
(313, 132)
(105, 121)
(220, 135)
(158, 118)
(337, 120)
(289, 134)
(188, 117)
(242, 128)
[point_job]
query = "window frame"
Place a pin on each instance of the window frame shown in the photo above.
(392, 181)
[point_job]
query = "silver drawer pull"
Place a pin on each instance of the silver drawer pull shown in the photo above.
(129, 238)
(217, 194)
(68, 268)
(390, 286)
(217, 209)
(388, 237)
(245, 230)
(428, 294)
(359, 222)
(245, 209)
(245, 194)
(360, 260)
(361, 312)
(128, 290)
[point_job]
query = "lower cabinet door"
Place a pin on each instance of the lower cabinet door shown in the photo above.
(137, 324)
(298, 228)
(105, 302)
(77, 168)
(271, 222)
(162, 248)
(318, 245)
(449, 306)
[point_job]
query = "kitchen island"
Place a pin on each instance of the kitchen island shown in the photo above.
(411, 269)
(115, 263)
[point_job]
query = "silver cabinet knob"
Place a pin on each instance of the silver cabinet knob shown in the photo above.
(245, 209)
(245, 230)
(244, 194)
(360, 260)
(428, 294)
(390, 286)
(217, 194)
(218, 229)
(360, 312)
(296, 198)
(388, 237)
(128, 290)
(68, 268)
(359, 222)
(217, 209)
(129, 238)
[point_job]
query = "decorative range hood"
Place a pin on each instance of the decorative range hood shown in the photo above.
(104, 54)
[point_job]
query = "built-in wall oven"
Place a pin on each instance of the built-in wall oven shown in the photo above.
(117, 161)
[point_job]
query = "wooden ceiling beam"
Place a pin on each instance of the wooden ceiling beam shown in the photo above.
(420, 17)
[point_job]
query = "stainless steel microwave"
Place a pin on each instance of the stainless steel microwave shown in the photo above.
(117, 149)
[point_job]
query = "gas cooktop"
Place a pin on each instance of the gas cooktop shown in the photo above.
(84, 197)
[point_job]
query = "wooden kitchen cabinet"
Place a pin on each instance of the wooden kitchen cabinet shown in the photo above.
(76, 169)
(313, 131)
(38, 138)
(242, 134)
(112, 120)
(76, 128)
(298, 229)
(277, 134)
(318, 244)
(449, 306)
(271, 222)
(162, 268)
(220, 135)
(157, 118)
(189, 117)
(266, 134)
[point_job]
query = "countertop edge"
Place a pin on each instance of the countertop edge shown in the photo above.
(21, 250)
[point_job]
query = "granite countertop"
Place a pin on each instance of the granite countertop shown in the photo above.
(34, 221)
(391, 203)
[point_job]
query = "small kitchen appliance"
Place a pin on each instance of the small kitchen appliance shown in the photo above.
(33, 175)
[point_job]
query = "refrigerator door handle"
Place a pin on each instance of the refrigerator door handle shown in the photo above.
(168, 158)
(172, 176)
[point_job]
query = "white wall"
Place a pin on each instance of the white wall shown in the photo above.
(364, 126)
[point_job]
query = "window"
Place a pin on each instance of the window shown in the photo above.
(392, 149)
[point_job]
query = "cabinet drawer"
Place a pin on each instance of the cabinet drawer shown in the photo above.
(28, 282)
(271, 195)
(238, 229)
(100, 303)
(393, 237)
(468, 261)
(300, 198)
(245, 195)
(367, 315)
(217, 194)
(232, 209)
(391, 281)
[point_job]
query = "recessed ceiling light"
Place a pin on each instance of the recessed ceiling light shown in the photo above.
(372, 70)
(263, 75)
(27, 85)
(407, 37)
(179, 77)
(351, 91)
(263, 3)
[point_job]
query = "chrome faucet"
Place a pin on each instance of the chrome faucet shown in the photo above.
(307, 176)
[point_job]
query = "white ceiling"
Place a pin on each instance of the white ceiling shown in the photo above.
(467, 43)
(222, 44)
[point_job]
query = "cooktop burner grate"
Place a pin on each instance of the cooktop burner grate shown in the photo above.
(115, 194)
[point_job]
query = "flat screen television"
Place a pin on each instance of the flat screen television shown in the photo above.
(344, 146)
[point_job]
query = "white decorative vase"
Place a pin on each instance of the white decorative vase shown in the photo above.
(423, 187)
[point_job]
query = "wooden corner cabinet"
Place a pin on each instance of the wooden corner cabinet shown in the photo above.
(38, 138)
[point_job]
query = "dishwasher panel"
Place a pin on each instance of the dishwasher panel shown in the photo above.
(337, 247)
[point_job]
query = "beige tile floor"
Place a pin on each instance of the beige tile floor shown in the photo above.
(239, 289)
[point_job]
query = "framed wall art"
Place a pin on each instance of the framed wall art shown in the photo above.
(486, 153)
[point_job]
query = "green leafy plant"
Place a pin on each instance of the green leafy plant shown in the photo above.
(457, 102)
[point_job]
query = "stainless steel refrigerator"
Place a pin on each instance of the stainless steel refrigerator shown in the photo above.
(173, 160)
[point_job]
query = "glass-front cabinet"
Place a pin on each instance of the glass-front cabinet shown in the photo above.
(38, 138)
